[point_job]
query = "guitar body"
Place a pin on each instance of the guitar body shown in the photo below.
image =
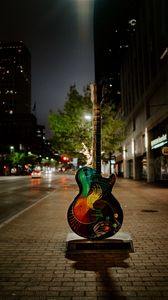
(95, 213)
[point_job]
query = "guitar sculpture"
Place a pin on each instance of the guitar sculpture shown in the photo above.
(95, 213)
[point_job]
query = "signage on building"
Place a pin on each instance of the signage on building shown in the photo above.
(159, 142)
(165, 150)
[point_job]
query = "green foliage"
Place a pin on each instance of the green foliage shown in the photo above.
(70, 129)
(17, 158)
(112, 130)
(21, 158)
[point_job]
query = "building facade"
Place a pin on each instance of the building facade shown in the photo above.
(17, 123)
(144, 92)
(15, 78)
(19, 132)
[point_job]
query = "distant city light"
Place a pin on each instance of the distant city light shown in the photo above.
(132, 22)
(164, 53)
(11, 149)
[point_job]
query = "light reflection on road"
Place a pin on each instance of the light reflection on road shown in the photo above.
(18, 193)
(36, 181)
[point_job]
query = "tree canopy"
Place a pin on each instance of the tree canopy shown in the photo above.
(72, 133)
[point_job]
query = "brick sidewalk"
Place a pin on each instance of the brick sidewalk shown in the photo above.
(34, 264)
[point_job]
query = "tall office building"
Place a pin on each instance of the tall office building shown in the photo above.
(111, 37)
(17, 124)
(15, 78)
(131, 55)
(144, 90)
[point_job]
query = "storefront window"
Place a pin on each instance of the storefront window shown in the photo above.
(164, 168)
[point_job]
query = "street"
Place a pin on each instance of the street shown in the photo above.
(35, 263)
(20, 192)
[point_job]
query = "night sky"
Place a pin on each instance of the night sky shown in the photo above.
(59, 35)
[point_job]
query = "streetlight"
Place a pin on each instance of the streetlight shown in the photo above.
(11, 149)
(88, 117)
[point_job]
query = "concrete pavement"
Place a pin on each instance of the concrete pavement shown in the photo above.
(34, 263)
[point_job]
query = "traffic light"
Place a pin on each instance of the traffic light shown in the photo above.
(64, 158)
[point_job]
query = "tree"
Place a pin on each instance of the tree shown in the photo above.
(112, 130)
(70, 128)
(72, 134)
(16, 158)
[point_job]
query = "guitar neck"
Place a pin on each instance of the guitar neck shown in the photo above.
(96, 140)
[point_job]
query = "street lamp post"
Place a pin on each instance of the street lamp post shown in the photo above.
(11, 149)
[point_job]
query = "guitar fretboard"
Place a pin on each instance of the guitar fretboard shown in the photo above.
(96, 131)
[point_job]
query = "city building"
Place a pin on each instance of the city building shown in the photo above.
(111, 39)
(19, 132)
(17, 123)
(144, 93)
(131, 56)
(15, 78)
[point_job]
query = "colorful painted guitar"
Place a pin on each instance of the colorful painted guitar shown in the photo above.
(95, 213)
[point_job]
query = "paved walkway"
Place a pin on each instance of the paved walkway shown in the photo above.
(34, 263)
